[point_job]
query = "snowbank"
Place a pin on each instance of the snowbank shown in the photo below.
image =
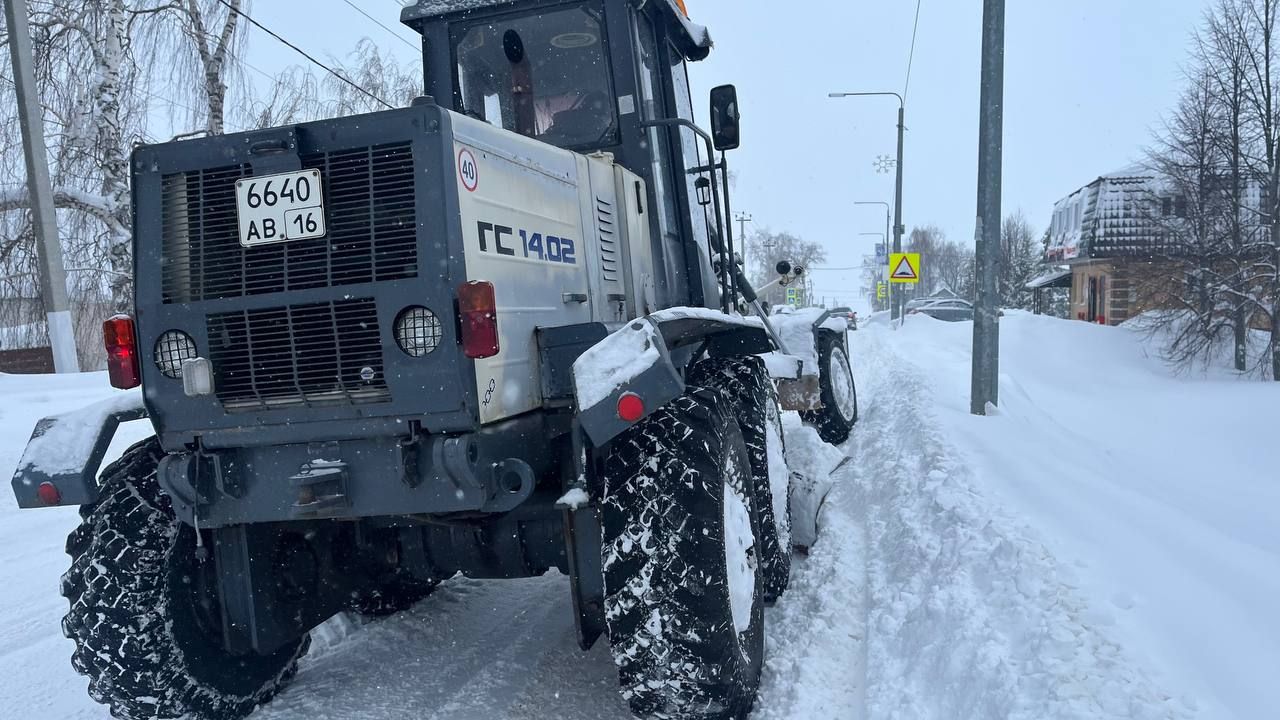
(1147, 586)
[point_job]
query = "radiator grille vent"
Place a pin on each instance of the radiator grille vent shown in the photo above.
(371, 216)
(326, 353)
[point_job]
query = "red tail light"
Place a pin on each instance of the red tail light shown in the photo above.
(49, 494)
(479, 311)
(122, 352)
(630, 407)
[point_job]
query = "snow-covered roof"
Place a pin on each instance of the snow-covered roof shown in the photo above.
(694, 40)
(1135, 170)
(423, 9)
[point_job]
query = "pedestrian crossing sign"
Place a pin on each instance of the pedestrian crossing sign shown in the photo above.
(904, 268)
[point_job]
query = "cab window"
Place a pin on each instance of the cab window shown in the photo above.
(544, 75)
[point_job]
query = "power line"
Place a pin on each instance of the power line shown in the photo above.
(304, 54)
(912, 55)
(384, 27)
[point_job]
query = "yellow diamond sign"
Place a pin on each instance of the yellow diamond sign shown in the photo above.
(904, 268)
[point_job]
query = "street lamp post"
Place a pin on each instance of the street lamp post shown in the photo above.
(884, 238)
(885, 269)
(898, 229)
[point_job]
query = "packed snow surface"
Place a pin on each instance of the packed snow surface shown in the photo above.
(1104, 546)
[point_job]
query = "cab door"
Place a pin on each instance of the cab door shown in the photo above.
(665, 229)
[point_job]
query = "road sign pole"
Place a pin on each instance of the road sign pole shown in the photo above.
(53, 276)
(986, 320)
(897, 208)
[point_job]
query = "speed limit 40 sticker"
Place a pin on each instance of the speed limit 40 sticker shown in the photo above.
(468, 170)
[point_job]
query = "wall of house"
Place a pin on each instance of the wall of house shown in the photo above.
(1130, 287)
(1081, 274)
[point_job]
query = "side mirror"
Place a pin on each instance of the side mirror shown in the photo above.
(725, 118)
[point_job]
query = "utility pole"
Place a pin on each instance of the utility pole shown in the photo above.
(53, 276)
(884, 271)
(986, 319)
(743, 219)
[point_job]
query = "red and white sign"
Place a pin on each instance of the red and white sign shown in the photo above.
(904, 271)
(468, 170)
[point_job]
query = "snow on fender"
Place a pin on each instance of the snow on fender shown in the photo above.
(636, 361)
(66, 451)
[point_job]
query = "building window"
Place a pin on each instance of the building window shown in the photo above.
(1180, 206)
(1166, 206)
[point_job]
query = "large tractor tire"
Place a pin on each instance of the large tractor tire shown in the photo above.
(745, 383)
(839, 411)
(683, 593)
(146, 627)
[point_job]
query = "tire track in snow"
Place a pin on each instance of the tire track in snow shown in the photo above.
(816, 659)
(474, 650)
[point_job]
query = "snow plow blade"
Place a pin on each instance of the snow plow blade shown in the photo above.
(61, 462)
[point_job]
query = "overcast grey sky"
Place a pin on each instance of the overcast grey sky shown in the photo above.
(1086, 81)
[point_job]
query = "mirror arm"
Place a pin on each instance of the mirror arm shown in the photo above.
(743, 285)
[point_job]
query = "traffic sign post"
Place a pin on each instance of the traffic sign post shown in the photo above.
(904, 268)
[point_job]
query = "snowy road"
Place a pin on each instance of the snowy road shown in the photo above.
(968, 568)
(474, 650)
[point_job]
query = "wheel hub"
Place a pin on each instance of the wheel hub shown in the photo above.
(842, 384)
(740, 557)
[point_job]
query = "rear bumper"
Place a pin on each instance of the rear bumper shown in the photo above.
(490, 471)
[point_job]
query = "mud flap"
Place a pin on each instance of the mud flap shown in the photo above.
(66, 451)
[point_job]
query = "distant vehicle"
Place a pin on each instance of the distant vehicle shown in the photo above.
(849, 316)
(952, 310)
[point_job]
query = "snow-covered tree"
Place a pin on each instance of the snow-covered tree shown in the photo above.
(1020, 261)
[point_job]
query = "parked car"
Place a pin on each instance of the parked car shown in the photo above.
(952, 310)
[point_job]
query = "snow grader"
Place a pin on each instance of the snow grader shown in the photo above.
(500, 332)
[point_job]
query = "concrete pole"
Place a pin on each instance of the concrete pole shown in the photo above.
(53, 277)
(986, 320)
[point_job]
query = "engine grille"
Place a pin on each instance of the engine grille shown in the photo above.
(372, 223)
(323, 353)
